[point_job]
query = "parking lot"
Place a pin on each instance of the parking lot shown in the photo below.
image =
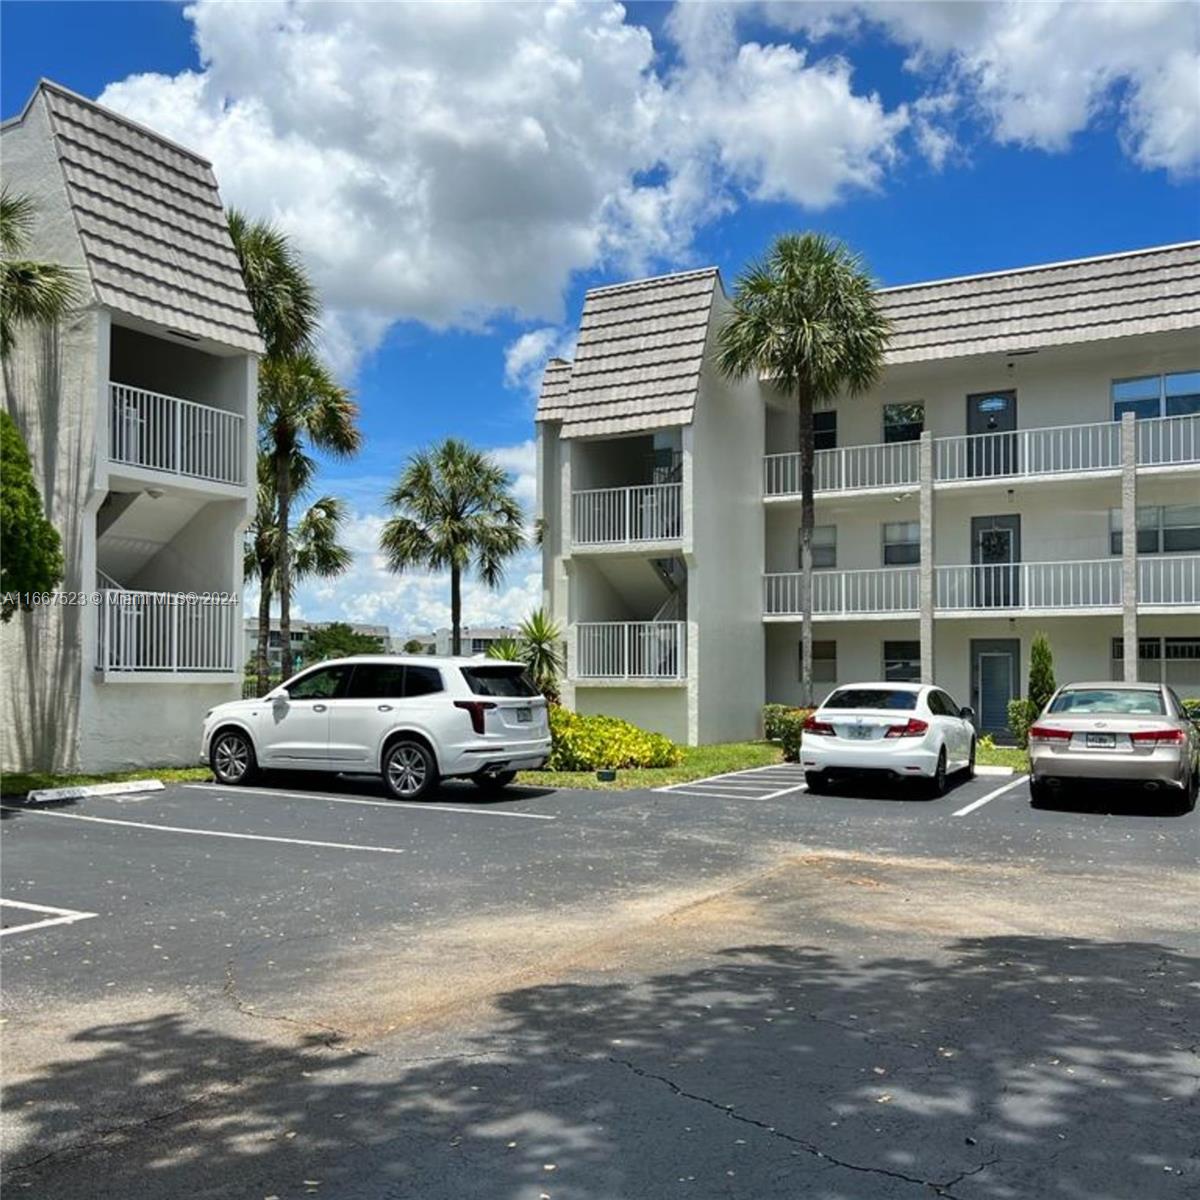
(724, 987)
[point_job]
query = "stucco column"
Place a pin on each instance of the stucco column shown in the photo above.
(1129, 565)
(925, 569)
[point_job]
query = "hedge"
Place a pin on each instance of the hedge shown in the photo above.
(597, 743)
(784, 724)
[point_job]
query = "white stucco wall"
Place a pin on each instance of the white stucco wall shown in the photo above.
(661, 709)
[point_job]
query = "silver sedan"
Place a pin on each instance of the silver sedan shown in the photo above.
(1136, 734)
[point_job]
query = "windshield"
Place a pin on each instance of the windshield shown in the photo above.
(1126, 701)
(894, 699)
(498, 681)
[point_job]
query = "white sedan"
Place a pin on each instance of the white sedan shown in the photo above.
(888, 730)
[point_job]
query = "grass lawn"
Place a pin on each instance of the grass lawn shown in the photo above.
(16, 784)
(1003, 756)
(698, 762)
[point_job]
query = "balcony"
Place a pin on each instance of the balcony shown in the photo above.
(1023, 454)
(885, 592)
(631, 650)
(167, 634)
(625, 516)
(1168, 580)
(178, 437)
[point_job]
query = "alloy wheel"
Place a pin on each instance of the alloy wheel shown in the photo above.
(231, 758)
(407, 771)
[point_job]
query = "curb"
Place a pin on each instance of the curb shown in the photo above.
(993, 770)
(47, 795)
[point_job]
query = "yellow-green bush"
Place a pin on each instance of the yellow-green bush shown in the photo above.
(595, 743)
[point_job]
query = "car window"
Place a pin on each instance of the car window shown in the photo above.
(318, 685)
(376, 681)
(951, 705)
(1129, 702)
(889, 698)
(934, 700)
(498, 681)
(422, 681)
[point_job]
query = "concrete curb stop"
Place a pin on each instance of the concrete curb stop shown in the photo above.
(48, 795)
(993, 770)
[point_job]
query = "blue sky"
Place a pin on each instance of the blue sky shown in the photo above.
(459, 177)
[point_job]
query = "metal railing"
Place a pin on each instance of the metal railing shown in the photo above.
(165, 433)
(1054, 450)
(1094, 583)
(847, 468)
(631, 650)
(1168, 579)
(168, 633)
(608, 516)
(1168, 441)
(837, 593)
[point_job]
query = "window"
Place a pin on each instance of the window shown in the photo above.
(479, 645)
(902, 662)
(1174, 395)
(498, 681)
(903, 422)
(376, 681)
(824, 547)
(898, 700)
(1161, 529)
(1131, 702)
(901, 543)
(1171, 660)
(825, 430)
(824, 662)
(319, 685)
(422, 681)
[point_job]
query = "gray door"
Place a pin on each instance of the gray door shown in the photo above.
(995, 671)
(993, 414)
(995, 559)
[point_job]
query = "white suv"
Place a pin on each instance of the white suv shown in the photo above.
(412, 720)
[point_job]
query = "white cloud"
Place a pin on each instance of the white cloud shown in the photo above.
(525, 358)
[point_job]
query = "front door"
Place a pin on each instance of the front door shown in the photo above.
(993, 416)
(995, 559)
(995, 671)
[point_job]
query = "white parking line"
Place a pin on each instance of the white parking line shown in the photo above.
(62, 916)
(754, 783)
(219, 833)
(962, 812)
(394, 805)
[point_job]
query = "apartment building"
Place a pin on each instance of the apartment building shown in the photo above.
(301, 632)
(139, 413)
(1030, 462)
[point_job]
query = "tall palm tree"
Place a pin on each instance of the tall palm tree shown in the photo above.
(454, 510)
(31, 293)
(807, 318)
(300, 406)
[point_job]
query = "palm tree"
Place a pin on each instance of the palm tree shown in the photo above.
(31, 293)
(454, 510)
(300, 405)
(506, 649)
(541, 644)
(807, 318)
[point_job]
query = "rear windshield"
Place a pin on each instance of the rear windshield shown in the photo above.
(1128, 701)
(889, 698)
(498, 681)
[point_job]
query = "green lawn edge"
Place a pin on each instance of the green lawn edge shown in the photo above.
(16, 783)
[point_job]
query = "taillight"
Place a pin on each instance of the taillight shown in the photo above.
(476, 708)
(1145, 737)
(812, 725)
(1047, 733)
(913, 727)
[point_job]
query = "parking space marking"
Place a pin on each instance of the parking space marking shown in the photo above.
(59, 916)
(968, 808)
(754, 783)
(220, 833)
(394, 805)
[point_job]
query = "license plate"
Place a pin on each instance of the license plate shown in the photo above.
(524, 716)
(861, 731)
(1101, 741)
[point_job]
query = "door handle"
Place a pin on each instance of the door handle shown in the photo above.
(318, 708)
(385, 708)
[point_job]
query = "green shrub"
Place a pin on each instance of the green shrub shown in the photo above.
(1022, 713)
(1192, 707)
(597, 743)
(985, 742)
(1041, 673)
(792, 733)
(776, 718)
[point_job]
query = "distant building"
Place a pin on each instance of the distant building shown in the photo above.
(301, 632)
(475, 640)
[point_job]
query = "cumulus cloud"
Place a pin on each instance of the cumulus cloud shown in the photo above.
(525, 358)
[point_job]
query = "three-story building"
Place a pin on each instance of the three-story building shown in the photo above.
(1029, 462)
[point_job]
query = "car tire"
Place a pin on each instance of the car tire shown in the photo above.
(969, 773)
(409, 770)
(815, 782)
(231, 758)
(939, 782)
(1039, 793)
(493, 781)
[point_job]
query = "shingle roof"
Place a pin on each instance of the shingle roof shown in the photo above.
(637, 365)
(151, 223)
(1141, 291)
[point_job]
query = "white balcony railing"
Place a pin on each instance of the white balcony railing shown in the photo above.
(1023, 453)
(168, 633)
(1094, 583)
(165, 433)
(610, 516)
(631, 650)
(837, 593)
(1169, 579)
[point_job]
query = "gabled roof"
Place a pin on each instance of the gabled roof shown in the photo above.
(1139, 291)
(637, 365)
(151, 223)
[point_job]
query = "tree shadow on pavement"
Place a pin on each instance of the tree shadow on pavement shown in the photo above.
(1007, 1067)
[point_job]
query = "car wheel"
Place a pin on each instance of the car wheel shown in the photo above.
(493, 781)
(409, 771)
(815, 782)
(231, 758)
(1039, 793)
(969, 773)
(938, 784)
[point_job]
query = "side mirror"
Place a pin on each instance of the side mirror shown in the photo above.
(277, 694)
(967, 714)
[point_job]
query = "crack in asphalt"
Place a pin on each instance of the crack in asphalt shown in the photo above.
(727, 1110)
